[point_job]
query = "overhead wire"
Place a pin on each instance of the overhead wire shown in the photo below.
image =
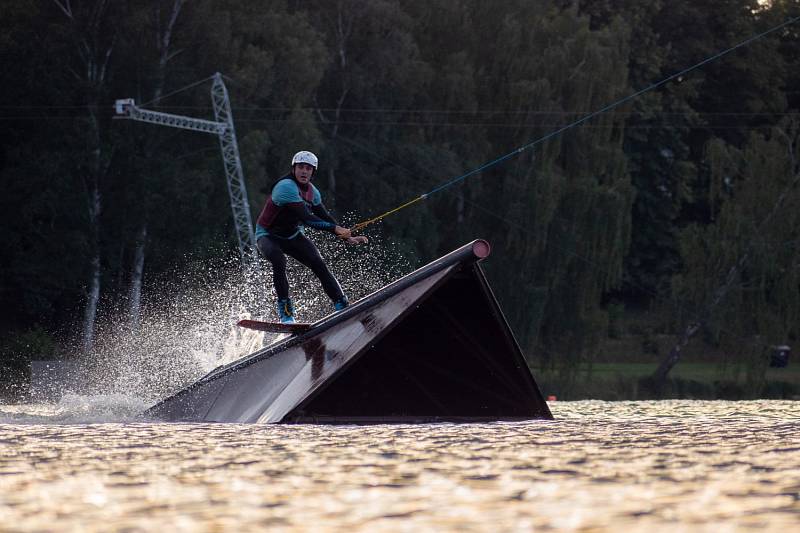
(176, 91)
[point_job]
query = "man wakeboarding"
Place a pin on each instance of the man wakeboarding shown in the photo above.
(293, 203)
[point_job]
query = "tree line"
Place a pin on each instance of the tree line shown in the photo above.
(684, 198)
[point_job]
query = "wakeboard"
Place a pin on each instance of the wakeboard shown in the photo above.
(275, 327)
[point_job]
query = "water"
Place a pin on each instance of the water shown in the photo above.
(91, 463)
(641, 466)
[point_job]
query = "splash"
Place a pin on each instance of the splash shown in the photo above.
(187, 327)
(75, 408)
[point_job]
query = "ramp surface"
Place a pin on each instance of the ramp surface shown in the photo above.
(432, 346)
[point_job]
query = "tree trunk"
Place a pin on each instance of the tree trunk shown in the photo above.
(90, 312)
(93, 292)
(137, 276)
(94, 210)
(94, 47)
(164, 40)
(660, 375)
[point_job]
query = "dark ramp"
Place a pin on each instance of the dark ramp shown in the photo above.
(432, 346)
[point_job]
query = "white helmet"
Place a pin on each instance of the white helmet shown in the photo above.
(304, 156)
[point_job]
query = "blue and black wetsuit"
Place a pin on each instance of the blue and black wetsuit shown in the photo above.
(279, 232)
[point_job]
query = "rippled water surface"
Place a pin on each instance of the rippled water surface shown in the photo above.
(645, 466)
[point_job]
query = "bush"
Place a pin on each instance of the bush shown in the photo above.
(18, 349)
(615, 314)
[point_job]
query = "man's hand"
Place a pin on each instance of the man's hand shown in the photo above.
(342, 233)
(359, 239)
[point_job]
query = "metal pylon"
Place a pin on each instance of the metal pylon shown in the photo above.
(224, 129)
(237, 189)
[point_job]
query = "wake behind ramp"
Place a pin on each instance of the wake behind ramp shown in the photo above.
(433, 346)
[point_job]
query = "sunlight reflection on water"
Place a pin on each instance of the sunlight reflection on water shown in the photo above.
(663, 466)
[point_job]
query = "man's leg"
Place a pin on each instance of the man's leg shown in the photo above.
(271, 250)
(302, 249)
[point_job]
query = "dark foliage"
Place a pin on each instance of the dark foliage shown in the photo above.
(652, 202)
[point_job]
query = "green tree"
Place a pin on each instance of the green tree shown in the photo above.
(565, 204)
(741, 280)
(367, 103)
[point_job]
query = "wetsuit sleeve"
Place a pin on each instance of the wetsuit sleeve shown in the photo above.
(300, 210)
(320, 211)
(287, 196)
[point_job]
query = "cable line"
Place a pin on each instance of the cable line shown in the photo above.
(362, 225)
(177, 91)
(571, 250)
